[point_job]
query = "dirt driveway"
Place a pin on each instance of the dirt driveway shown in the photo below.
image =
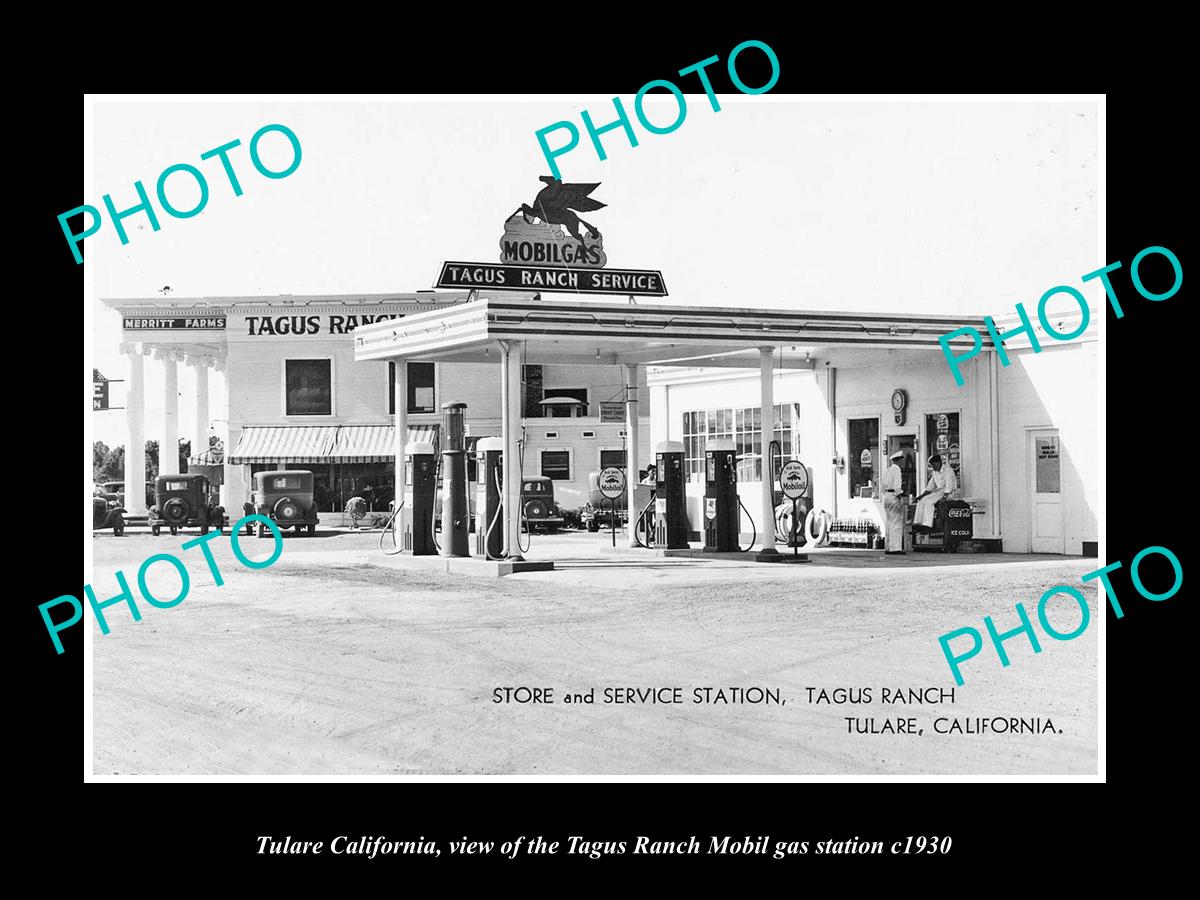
(323, 665)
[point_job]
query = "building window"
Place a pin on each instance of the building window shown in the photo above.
(556, 464)
(612, 458)
(531, 396)
(942, 436)
(309, 387)
(862, 458)
(744, 427)
(420, 388)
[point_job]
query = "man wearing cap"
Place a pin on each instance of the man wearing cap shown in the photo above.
(894, 506)
(942, 482)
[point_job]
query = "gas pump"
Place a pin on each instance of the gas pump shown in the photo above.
(720, 496)
(420, 493)
(670, 510)
(489, 494)
(455, 510)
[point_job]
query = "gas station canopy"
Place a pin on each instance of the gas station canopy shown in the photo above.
(603, 334)
(507, 330)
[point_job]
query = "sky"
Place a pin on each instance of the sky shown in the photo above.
(775, 202)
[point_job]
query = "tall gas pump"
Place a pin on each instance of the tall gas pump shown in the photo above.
(420, 493)
(456, 513)
(670, 510)
(489, 493)
(720, 496)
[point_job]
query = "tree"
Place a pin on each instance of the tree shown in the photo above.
(185, 450)
(151, 460)
(114, 465)
(100, 453)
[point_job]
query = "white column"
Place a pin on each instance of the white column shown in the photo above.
(168, 443)
(232, 489)
(631, 448)
(135, 435)
(400, 422)
(766, 523)
(200, 428)
(510, 389)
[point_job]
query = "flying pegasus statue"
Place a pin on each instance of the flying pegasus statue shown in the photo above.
(557, 203)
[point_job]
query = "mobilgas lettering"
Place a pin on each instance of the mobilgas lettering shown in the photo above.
(74, 239)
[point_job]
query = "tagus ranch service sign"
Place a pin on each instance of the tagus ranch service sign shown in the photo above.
(547, 246)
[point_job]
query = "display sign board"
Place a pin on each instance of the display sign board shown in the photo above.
(174, 323)
(793, 480)
(622, 282)
(612, 412)
(99, 395)
(612, 482)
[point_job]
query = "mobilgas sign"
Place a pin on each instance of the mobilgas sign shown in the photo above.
(624, 282)
(793, 480)
(612, 482)
(546, 245)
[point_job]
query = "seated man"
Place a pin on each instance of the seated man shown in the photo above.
(942, 482)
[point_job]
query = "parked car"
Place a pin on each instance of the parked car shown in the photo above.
(185, 500)
(542, 513)
(117, 489)
(108, 513)
(287, 498)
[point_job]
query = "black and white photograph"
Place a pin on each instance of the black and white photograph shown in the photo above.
(707, 431)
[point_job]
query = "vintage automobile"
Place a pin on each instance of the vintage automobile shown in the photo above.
(287, 498)
(542, 513)
(117, 489)
(184, 500)
(107, 512)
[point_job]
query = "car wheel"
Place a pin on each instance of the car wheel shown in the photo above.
(204, 526)
(154, 530)
(119, 527)
(174, 529)
(593, 526)
(262, 530)
(312, 529)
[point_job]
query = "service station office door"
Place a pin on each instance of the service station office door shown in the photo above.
(1045, 487)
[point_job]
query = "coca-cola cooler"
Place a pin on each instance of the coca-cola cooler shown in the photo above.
(957, 521)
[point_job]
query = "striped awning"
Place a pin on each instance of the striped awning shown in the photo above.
(323, 443)
(209, 457)
(364, 443)
(284, 444)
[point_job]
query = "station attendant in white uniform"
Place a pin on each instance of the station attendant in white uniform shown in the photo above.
(942, 482)
(894, 506)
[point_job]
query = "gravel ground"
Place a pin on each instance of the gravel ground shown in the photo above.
(322, 665)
